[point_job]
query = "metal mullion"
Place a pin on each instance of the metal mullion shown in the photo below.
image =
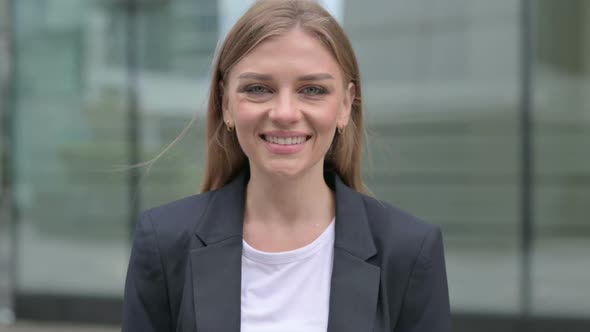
(133, 117)
(9, 96)
(527, 157)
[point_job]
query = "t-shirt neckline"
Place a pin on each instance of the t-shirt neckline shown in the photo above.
(285, 257)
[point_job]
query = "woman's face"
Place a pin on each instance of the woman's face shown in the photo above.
(285, 99)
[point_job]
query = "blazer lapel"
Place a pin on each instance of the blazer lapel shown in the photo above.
(216, 267)
(355, 282)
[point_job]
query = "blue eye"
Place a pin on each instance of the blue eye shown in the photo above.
(256, 89)
(314, 90)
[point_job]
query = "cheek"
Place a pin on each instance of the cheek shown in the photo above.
(248, 119)
(246, 114)
(326, 118)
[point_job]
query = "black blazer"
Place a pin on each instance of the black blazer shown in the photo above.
(185, 268)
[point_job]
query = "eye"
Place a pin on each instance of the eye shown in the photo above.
(314, 90)
(256, 89)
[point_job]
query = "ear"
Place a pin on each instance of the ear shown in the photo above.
(224, 103)
(349, 96)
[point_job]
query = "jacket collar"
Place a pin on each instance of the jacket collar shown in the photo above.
(225, 213)
(224, 216)
(216, 267)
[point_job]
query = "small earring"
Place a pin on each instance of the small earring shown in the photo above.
(228, 127)
(340, 130)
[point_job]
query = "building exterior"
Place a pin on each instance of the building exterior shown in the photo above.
(478, 119)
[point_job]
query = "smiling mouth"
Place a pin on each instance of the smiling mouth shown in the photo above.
(285, 140)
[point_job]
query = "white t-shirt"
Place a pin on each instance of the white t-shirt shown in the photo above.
(288, 291)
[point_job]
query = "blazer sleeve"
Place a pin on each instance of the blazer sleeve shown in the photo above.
(426, 305)
(145, 303)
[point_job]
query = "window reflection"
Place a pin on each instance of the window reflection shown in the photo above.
(562, 175)
(69, 133)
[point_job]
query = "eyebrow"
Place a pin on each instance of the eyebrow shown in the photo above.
(264, 77)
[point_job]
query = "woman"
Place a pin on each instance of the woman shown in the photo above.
(282, 238)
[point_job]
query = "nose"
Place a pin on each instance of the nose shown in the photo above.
(284, 110)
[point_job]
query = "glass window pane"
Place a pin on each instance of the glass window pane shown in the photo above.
(173, 81)
(70, 134)
(561, 268)
(441, 100)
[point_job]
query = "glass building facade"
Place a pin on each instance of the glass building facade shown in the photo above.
(478, 116)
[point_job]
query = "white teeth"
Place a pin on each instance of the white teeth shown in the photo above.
(285, 140)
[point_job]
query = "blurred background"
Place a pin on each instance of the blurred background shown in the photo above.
(478, 115)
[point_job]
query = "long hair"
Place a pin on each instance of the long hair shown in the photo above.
(266, 19)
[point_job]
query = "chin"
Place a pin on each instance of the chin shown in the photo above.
(291, 169)
(286, 172)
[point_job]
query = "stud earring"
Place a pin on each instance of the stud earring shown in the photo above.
(340, 130)
(228, 126)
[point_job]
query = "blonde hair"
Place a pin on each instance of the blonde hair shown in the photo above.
(266, 19)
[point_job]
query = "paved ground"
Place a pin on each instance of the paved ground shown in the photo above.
(47, 327)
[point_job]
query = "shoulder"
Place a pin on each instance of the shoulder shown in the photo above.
(178, 214)
(397, 233)
(385, 217)
(173, 224)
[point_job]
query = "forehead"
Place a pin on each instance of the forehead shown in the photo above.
(294, 53)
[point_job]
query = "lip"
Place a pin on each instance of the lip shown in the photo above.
(284, 149)
(284, 133)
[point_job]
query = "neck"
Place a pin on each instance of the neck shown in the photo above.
(289, 201)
